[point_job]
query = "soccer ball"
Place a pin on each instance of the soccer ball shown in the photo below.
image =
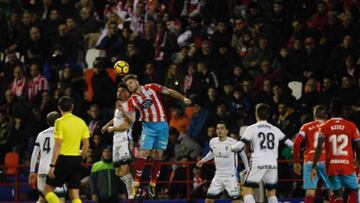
(121, 68)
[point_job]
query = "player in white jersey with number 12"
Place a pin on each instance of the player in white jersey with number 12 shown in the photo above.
(226, 162)
(44, 146)
(264, 140)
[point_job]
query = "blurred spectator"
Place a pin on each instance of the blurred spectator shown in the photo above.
(37, 82)
(179, 119)
(202, 79)
(19, 84)
(200, 184)
(105, 185)
(197, 122)
(178, 190)
(188, 79)
(94, 122)
(150, 75)
(19, 134)
(36, 47)
(287, 119)
(185, 146)
(4, 134)
(174, 78)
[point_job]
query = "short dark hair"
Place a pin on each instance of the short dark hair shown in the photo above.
(336, 106)
(51, 117)
(320, 111)
(121, 84)
(128, 77)
(262, 111)
(65, 103)
(223, 123)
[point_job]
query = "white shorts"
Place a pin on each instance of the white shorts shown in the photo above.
(267, 173)
(121, 151)
(219, 184)
(41, 182)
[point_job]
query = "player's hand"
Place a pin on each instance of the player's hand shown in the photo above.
(51, 173)
(110, 129)
(32, 178)
(104, 129)
(199, 164)
(313, 173)
(187, 101)
(297, 168)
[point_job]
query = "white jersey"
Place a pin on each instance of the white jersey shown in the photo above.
(226, 161)
(264, 139)
(118, 120)
(44, 145)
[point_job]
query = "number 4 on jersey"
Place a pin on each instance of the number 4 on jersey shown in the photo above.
(46, 146)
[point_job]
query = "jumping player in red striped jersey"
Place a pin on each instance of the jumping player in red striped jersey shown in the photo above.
(155, 130)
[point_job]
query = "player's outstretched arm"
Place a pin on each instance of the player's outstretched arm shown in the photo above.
(124, 126)
(239, 146)
(244, 159)
(175, 94)
(130, 115)
(206, 158)
(104, 129)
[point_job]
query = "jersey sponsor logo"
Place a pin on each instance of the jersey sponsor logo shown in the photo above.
(264, 126)
(146, 103)
(339, 161)
(267, 167)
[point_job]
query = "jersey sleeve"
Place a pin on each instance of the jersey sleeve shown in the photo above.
(130, 104)
(322, 130)
(86, 132)
(356, 135)
(302, 131)
(248, 134)
(35, 155)
(154, 86)
(58, 134)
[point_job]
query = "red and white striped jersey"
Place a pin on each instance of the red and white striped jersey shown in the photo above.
(148, 103)
(36, 85)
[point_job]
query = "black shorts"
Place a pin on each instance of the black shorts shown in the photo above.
(67, 170)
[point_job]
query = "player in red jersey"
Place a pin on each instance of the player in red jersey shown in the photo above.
(309, 133)
(155, 130)
(339, 136)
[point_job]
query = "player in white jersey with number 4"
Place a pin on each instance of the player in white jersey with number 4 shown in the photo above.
(122, 140)
(226, 162)
(264, 140)
(44, 146)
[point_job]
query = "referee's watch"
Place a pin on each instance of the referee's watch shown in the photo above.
(52, 165)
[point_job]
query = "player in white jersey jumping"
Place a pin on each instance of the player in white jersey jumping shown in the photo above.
(226, 162)
(44, 146)
(122, 140)
(264, 140)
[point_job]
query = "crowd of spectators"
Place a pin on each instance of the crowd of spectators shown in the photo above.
(226, 55)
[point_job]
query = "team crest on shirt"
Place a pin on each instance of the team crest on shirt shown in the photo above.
(146, 103)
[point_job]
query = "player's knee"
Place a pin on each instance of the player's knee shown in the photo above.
(310, 193)
(270, 193)
(247, 190)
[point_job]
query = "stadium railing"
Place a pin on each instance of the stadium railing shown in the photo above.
(18, 186)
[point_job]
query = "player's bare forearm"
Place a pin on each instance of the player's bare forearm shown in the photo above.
(318, 151)
(56, 151)
(176, 95)
(109, 123)
(85, 147)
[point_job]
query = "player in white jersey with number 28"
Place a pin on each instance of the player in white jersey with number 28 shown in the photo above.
(44, 146)
(264, 140)
(226, 162)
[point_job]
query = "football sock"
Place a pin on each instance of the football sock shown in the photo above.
(309, 199)
(249, 199)
(353, 197)
(52, 198)
(155, 172)
(272, 199)
(128, 181)
(139, 167)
